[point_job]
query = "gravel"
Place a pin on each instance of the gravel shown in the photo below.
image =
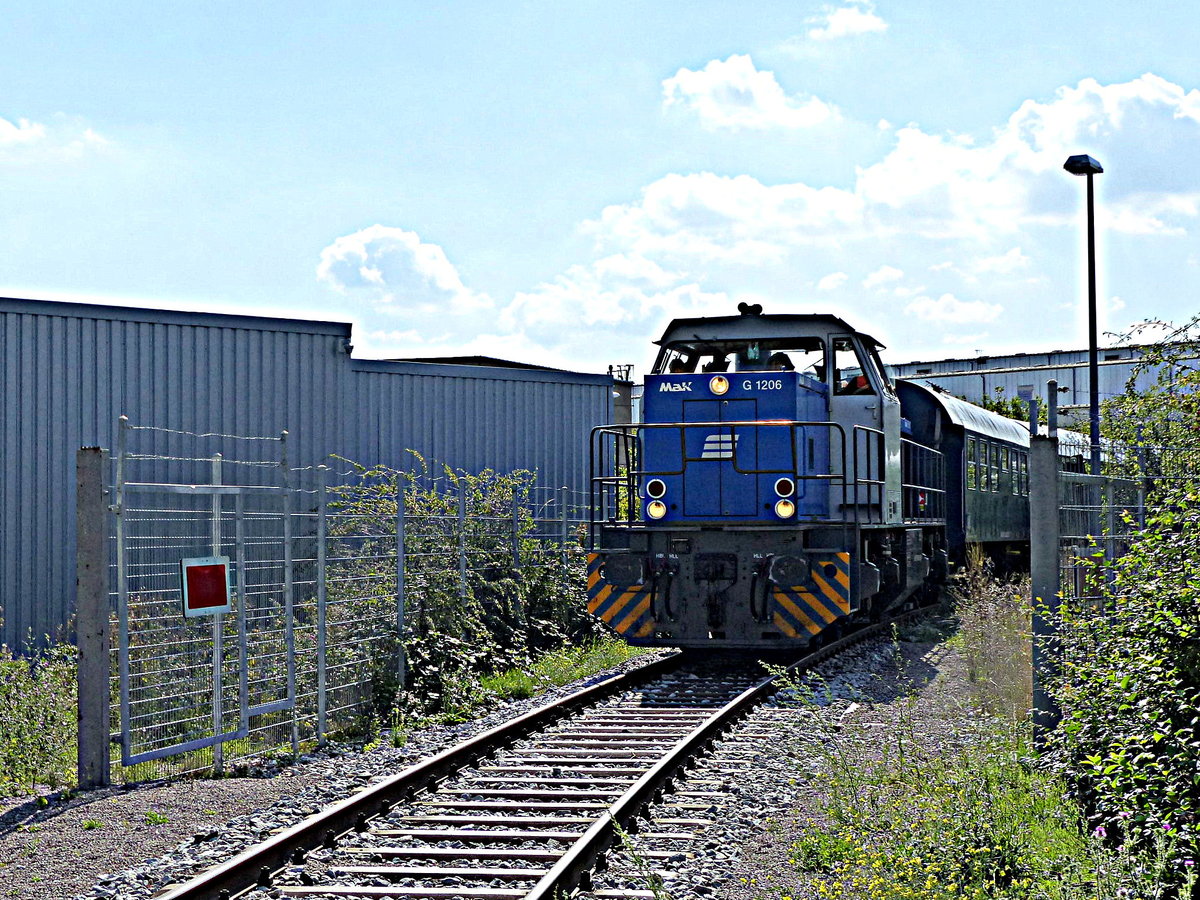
(108, 844)
(757, 786)
(754, 790)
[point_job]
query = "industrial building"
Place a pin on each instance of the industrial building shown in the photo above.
(1025, 375)
(70, 370)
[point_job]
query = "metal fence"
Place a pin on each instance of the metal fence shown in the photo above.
(1081, 526)
(329, 566)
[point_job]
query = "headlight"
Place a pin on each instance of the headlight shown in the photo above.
(785, 509)
(785, 487)
(656, 488)
(656, 509)
(718, 384)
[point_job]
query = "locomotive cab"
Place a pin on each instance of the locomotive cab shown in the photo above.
(760, 502)
(814, 371)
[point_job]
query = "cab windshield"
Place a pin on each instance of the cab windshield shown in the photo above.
(804, 355)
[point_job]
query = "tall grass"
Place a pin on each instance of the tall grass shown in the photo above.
(905, 817)
(37, 719)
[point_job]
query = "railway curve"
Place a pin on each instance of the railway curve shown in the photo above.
(524, 811)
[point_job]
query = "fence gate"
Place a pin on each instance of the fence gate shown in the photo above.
(186, 683)
(320, 562)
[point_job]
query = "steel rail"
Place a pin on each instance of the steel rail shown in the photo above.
(574, 867)
(255, 866)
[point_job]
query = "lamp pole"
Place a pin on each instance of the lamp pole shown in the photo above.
(1085, 165)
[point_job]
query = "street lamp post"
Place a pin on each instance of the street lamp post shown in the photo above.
(1085, 165)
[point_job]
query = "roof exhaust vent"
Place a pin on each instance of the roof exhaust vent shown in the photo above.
(750, 309)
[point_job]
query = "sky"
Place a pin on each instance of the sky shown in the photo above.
(554, 181)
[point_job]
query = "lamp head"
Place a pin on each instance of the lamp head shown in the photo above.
(1082, 165)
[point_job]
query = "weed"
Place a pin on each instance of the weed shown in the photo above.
(91, 824)
(154, 817)
(652, 879)
(904, 819)
(37, 719)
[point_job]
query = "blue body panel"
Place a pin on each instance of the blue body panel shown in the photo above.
(729, 473)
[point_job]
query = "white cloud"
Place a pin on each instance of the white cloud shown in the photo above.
(23, 132)
(881, 276)
(959, 210)
(733, 94)
(611, 294)
(707, 217)
(1005, 264)
(846, 21)
(832, 281)
(397, 271)
(948, 309)
(65, 138)
(937, 188)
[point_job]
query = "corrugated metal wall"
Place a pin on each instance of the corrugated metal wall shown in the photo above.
(475, 418)
(1005, 377)
(69, 370)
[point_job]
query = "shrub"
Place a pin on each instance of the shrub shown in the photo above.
(37, 719)
(1129, 689)
(503, 620)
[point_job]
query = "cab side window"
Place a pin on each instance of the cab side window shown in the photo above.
(849, 371)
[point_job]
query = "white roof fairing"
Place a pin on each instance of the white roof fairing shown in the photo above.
(976, 418)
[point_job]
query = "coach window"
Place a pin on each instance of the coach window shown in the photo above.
(1024, 474)
(972, 471)
(994, 473)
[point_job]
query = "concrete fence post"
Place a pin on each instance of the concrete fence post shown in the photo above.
(91, 616)
(1044, 542)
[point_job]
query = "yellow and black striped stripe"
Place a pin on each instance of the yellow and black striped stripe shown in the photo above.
(799, 609)
(626, 611)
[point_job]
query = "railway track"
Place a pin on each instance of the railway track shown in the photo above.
(524, 811)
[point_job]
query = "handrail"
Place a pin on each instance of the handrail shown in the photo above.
(865, 473)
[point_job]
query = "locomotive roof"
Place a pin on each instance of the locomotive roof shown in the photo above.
(757, 326)
(974, 418)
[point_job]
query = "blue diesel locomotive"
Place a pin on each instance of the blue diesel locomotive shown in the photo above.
(780, 485)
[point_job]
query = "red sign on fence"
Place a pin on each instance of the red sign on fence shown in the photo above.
(204, 582)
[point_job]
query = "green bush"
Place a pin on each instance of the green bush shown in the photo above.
(37, 719)
(506, 619)
(1129, 689)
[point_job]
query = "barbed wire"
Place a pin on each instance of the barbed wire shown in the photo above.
(204, 434)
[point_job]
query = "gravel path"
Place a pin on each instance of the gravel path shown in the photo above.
(131, 843)
(757, 784)
(938, 708)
